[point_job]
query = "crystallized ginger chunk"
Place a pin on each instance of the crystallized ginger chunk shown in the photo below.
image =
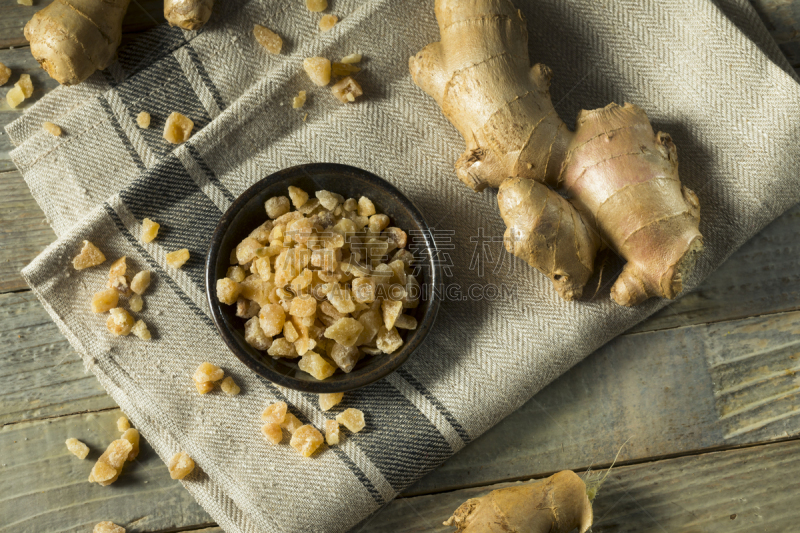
(327, 22)
(52, 129)
(299, 100)
(5, 74)
(272, 432)
(177, 258)
(132, 435)
(347, 90)
(316, 6)
(303, 306)
(180, 466)
(229, 387)
(90, 256)
(135, 303)
(77, 448)
(316, 365)
(123, 424)
(204, 387)
(228, 291)
(275, 413)
(108, 527)
(282, 348)
(140, 329)
(14, 97)
(291, 423)
(331, 432)
(149, 230)
(109, 465)
(350, 59)
(326, 401)
(277, 206)
(120, 322)
(352, 419)
(140, 282)
(318, 70)
(254, 335)
(298, 196)
(306, 440)
(143, 120)
(178, 128)
(391, 310)
(272, 317)
(105, 300)
(268, 39)
(208, 372)
(345, 331)
(25, 85)
(389, 340)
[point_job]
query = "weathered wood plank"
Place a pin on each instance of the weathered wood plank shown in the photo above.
(752, 489)
(782, 18)
(24, 232)
(20, 62)
(141, 15)
(40, 375)
(43, 487)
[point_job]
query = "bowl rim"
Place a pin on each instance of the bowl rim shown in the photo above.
(393, 361)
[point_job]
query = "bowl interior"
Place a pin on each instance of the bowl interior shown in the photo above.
(247, 213)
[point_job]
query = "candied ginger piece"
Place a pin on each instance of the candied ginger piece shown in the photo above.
(120, 322)
(345, 357)
(345, 331)
(389, 340)
(108, 527)
(229, 387)
(140, 329)
(272, 317)
(15, 96)
(268, 39)
(109, 465)
(5, 74)
(135, 303)
(299, 196)
(204, 387)
(316, 365)
(282, 348)
(318, 70)
(52, 129)
(143, 120)
(331, 432)
(316, 6)
(123, 424)
(132, 435)
(326, 401)
(291, 423)
(180, 466)
(254, 335)
(228, 291)
(277, 206)
(140, 282)
(105, 300)
(352, 419)
(275, 412)
(347, 90)
(405, 322)
(306, 440)
(299, 100)
(327, 22)
(90, 256)
(391, 310)
(178, 128)
(303, 306)
(208, 372)
(149, 230)
(25, 84)
(77, 448)
(177, 258)
(272, 432)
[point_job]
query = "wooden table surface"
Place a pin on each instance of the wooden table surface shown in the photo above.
(706, 393)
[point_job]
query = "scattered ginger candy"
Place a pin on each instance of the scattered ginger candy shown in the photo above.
(204, 387)
(109, 465)
(132, 436)
(350, 59)
(272, 432)
(143, 121)
(123, 424)
(343, 69)
(352, 419)
(318, 70)
(208, 372)
(268, 39)
(178, 128)
(316, 6)
(180, 466)
(140, 329)
(52, 129)
(77, 448)
(275, 413)
(332, 432)
(149, 230)
(105, 300)
(5, 74)
(140, 282)
(326, 401)
(299, 100)
(347, 90)
(306, 439)
(14, 97)
(108, 527)
(229, 386)
(120, 322)
(327, 22)
(25, 84)
(291, 423)
(177, 258)
(90, 256)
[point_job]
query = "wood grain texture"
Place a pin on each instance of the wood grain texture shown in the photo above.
(141, 15)
(746, 490)
(40, 375)
(44, 488)
(24, 231)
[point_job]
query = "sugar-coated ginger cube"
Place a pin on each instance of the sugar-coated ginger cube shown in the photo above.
(342, 299)
(332, 432)
(178, 128)
(299, 100)
(303, 306)
(149, 230)
(247, 250)
(327, 22)
(228, 291)
(282, 348)
(345, 357)
(291, 423)
(143, 120)
(5, 74)
(272, 318)
(77, 448)
(52, 129)
(25, 84)
(15, 96)
(229, 386)
(316, 365)
(177, 258)
(391, 310)
(180, 466)
(247, 309)
(105, 300)
(120, 322)
(109, 465)
(298, 196)
(316, 5)
(123, 424)
(236, 273)
(352, 419)
(267, 38)
(350, 59)
(405, 322)
(276, 207)
(272, 432)
(347, 90)
(275, 413)
(363, 290)
(318, 70)
(377, 223)
(108, 527)
(326, 401)
(304, 345)
(204, 387)
(345, 331)
(255, 336)
(135, 303)
(132, 435)
(372, 321)
(329, 200)
(140, 282)
(208, 372)
(90, 256)
(306, 440)
(389, 340)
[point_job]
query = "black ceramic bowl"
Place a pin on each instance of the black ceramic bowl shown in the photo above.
(247, 213)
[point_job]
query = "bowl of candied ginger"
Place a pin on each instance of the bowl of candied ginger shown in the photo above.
(323, 278)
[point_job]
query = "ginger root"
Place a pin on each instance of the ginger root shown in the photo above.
(188, 14)
(557, 504)
(71, 39)
(563, 195)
